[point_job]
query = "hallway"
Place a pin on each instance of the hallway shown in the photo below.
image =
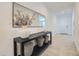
(62, 45)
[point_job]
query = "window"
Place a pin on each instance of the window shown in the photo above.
(42, 20)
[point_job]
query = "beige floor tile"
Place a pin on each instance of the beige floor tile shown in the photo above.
(62, 45)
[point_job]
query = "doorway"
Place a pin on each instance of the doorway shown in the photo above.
(64, 22)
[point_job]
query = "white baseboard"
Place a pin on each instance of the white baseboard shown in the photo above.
(76, 46)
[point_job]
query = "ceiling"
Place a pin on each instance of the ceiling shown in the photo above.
(57, 6)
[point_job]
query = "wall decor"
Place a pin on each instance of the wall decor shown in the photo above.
(23, 16)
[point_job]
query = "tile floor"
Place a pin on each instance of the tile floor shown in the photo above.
(63, 45)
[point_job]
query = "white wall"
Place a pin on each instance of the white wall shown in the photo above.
(76, 24)
(7, 32)
(52, 22)
(6, 42)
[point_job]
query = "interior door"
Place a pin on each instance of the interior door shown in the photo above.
(64, 23)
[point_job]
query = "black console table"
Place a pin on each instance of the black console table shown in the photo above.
(31, 37)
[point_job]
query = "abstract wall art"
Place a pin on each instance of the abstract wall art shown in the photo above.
(23, 16)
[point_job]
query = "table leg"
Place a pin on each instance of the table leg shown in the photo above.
(15, 48)
(50, 37)
(22, 49)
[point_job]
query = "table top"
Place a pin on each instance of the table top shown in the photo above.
(31, 37)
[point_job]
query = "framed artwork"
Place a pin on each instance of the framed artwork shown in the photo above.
(23, 16)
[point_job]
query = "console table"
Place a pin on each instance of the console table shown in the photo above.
(31, 37)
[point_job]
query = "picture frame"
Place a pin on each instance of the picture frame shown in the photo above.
(23, 16)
